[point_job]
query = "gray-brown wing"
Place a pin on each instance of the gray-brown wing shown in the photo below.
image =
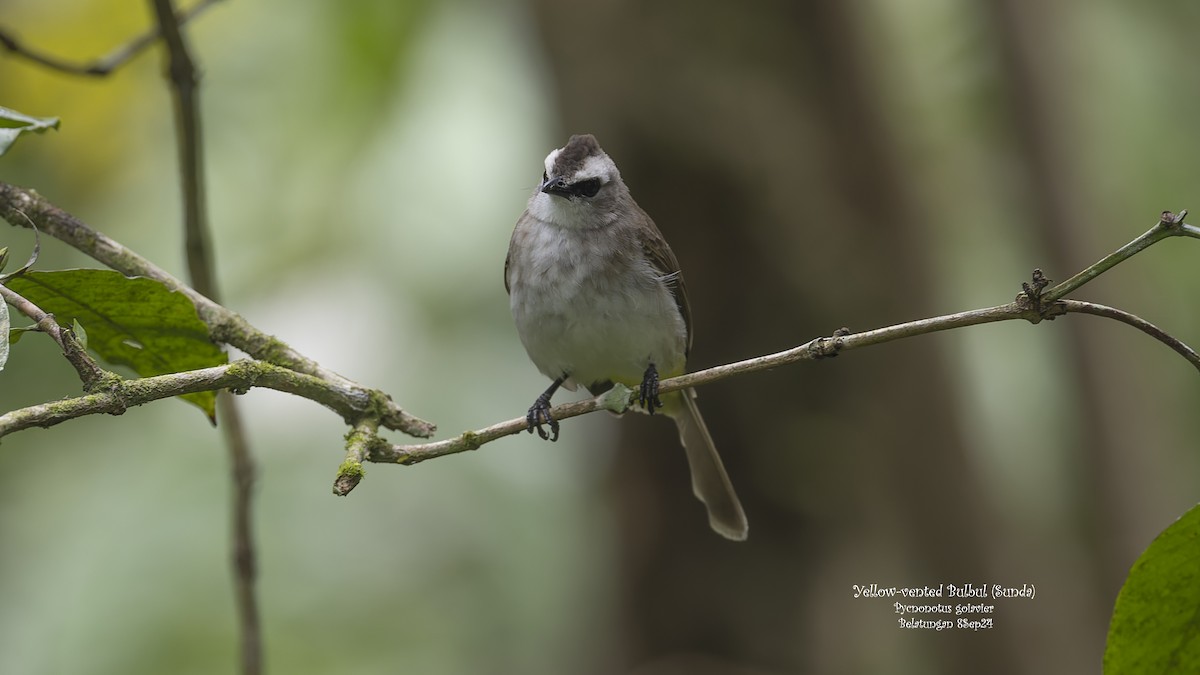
(662, 258)
(507, 259)
(512, 244)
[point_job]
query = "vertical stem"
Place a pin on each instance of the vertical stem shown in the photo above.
(245, 567)
(181, 71)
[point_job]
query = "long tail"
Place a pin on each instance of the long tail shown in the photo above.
(710, 483)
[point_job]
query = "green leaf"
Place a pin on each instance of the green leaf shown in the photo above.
(1155, 626)
(13, 124)
(132, 321)
(14, 334)
(79, 332)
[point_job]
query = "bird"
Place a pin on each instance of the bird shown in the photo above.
(598, 298)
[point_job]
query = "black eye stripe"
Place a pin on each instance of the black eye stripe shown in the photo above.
(586, 188)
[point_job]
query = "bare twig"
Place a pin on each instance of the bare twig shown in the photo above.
(181, 72)
(102, 66)
(1034, 305)
(1080, 307)
(1168, 225)
(620, 396)
(616, 399)
(225, 326)
(242, 472)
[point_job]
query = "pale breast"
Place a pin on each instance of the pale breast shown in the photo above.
(589, 306)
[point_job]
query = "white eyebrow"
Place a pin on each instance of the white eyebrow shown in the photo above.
(550, 160)
(596, 166)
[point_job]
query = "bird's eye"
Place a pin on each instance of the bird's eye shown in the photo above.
(587, 188)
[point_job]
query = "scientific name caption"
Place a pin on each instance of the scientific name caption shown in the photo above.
(945, 606)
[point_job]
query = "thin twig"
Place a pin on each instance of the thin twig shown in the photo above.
(181, 72)
(359, 442)
(1168, 225)
(1034, 305)
(102, 66)
(1080, 307)
(242, 472)
(225, 326)
(822, 347)
(90, 373)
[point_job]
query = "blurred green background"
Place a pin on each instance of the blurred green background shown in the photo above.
(813, 164)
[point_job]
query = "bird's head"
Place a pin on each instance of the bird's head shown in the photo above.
(581, 186)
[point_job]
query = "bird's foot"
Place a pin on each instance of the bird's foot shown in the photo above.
(539, 414)
(648, 392)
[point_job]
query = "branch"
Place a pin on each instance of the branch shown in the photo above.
(615, 400)
(119, 394)
(618, 398)
(1033, 305)
(102, 66)
(90, 373)
(245, 568)
(359, 442)
(1169, 225)
(1080, 307)
(181, 71)
(224, 325)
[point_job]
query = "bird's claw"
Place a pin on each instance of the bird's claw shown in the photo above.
(648, 392)
(539, 414)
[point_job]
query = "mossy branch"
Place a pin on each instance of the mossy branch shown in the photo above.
(224, 325)
(353, 403)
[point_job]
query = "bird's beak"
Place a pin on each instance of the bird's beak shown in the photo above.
(555, 185)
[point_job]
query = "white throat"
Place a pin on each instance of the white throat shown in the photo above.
(568, 214)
